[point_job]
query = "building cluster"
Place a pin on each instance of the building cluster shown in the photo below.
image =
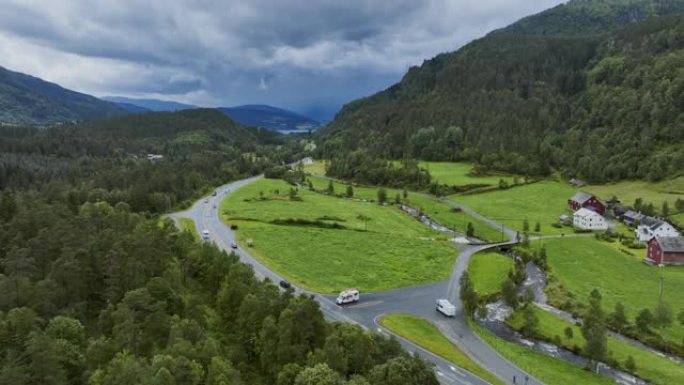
(665, 243)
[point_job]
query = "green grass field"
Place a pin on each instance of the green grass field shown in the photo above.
(582, 264)
(432, 207)
(650, 192)
(656, 369)
(488, 270)
(539, 202)
(460, 174)
(394, 251)
(677, 219)
(547, 369)
(427, 336)
(188, 224)
(317, 168)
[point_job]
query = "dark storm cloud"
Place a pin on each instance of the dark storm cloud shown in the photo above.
(306, 55)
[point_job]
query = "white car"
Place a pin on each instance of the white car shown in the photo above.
(348, 296)
(445, 307)
(205, 234)
(233, 245)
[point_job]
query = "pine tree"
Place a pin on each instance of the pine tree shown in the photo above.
(350, 191)
(530, 321)
(509, 292)
(594, 329)
(618, 319)
(382, 195)
(468, 294)
(470, 230)
(643, 320)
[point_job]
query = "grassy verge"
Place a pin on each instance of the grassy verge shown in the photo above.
(325, 244)
(540, 202)
(547, 369)
(582, 264)
(188, 224)
(652, 367)
(488, 270)
(427, 336)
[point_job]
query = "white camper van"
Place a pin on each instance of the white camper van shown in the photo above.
(348, 296)
(445, 307)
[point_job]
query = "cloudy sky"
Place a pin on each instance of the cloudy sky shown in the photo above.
(311, 56)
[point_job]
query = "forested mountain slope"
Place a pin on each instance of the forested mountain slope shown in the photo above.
(25, 99)
(96, 289)
(576, 95)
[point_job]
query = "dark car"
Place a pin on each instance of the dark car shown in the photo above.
(285, 284)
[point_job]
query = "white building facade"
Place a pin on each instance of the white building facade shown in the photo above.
(651, 227)
(585, 219)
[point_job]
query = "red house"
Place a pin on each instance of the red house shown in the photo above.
(586, 200)
(665, 251)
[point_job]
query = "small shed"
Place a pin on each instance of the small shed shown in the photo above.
(565, 219)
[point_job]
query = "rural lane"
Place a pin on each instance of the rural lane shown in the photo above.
(418, 300)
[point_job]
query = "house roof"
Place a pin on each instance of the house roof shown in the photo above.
(584, 212)
(671, 244)
(650, 222)
(631, 214)
(581, 197)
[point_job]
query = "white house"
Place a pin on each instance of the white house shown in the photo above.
(650, 227)
(586, 219)
(308, 161)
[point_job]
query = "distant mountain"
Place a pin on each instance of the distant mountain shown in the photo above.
(149, 104)
(132, 108)
(26, 99)
(270, 117)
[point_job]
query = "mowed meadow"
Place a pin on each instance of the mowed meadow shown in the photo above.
(326, 244)
(584, 264)
(540, 202)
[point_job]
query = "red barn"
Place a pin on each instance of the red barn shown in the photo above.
(587, 201)
(665, 251)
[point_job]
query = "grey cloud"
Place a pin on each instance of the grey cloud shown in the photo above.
(306, 55)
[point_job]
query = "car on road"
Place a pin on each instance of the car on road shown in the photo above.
(285, 284)
(214, 193)
(233, 245)
(445, 307)
(206, 201)
(348, 296)
(205, 234)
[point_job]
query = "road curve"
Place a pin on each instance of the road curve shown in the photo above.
(417, 300)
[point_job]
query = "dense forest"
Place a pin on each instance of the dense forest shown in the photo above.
(572, 89)
(97, 288)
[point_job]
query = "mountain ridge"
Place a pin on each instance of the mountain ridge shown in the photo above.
(515, 102)
(26, 99)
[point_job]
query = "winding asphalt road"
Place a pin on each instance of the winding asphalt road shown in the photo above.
(418, 300)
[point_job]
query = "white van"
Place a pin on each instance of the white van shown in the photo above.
(205, 234)
(445, 307)
(348, 296)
